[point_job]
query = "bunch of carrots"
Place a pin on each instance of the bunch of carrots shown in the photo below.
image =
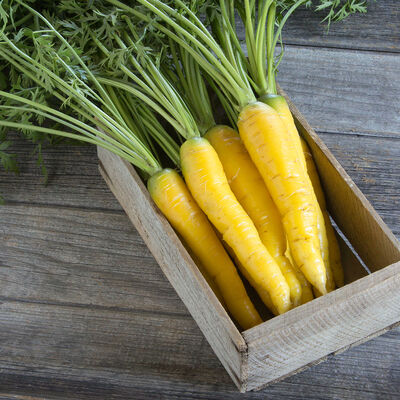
(135, 77)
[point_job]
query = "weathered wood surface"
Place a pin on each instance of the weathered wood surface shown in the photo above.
(85, 311)
(296, 340)
(376, 30)
(93, 264)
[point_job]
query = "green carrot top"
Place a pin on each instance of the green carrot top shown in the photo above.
(56, 83)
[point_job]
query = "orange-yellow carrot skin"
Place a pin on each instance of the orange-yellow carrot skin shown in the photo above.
(269, 145)
(279, 104)
(334, 249)
(250, 190)
(306, 288)
(209, 186)
(307, 292)
(169, 192)
(264, 295)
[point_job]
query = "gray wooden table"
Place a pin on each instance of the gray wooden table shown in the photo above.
(85, 312)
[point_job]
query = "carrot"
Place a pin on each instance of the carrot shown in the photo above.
(269, 145)
(125, 131)
(334, 249)
(185, 28)
(170, 193)
(263, 28)
(187, 78)
(250, 190)
(152, 87)
(262, 293)
(203, 171)
(208, 184)
(265, 86)
(307, 293)
(306, 288)
(279, 104)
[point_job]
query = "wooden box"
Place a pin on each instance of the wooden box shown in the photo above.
(367, 306)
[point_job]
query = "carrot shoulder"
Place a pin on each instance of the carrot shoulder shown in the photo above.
(208, 184)
(250, 190)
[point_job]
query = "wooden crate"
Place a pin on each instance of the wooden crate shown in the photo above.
(367, 306)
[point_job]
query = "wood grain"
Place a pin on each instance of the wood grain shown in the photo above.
(78, 344)
(73, 178)
(373, 164)
(342, 91)
(82, 257)
(49, 351)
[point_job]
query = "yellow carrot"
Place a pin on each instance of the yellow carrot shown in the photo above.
(290, 187)
(171, 195)
(279, 104)
(271, 149)
(250, 190)
(208, 184)
(307, 292)
(334, 249)
(264, 295)
(306, 288)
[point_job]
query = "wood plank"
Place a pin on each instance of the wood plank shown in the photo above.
(303, 336)
(357, 32)
(328, 87)
(376, 30)
(82, 257)
(342, 379)
(175, 262)
(56, 352)
(352, 266)
(78, 343)
(73, 178)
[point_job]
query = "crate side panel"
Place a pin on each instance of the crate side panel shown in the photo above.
(321, 360)
(369, 235)
(309, 333)
(175, 262)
